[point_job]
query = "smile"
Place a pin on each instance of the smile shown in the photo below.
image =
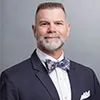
(51, 37)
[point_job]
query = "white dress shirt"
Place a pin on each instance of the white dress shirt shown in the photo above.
(58, 76)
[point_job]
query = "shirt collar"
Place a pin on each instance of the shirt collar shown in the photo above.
(43, 56)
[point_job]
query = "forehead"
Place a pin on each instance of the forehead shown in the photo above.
(53, 13)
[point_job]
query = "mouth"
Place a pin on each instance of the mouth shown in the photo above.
(52, 37)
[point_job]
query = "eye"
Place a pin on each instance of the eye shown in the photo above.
(44, 23)
(59, 23)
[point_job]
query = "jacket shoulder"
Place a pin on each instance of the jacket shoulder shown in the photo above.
(80, 67)
(18, 68)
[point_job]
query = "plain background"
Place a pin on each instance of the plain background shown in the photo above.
(17, 41)
(0, 35)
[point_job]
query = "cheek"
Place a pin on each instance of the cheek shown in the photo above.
(64, 33)
(41, 31)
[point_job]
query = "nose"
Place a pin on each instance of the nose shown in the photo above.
(51, 28)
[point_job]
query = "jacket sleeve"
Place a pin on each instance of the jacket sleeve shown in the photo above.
(96, 88)
(7, 89)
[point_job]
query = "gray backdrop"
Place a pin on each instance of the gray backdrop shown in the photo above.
(17, 41)
(0, 35)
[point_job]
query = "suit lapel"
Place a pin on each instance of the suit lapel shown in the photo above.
(44, 77)
(74, 81)
(48, 85)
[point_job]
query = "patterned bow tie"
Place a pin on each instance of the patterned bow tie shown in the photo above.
(63, 64)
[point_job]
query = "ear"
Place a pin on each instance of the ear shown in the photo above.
(34, 30)
(68, 29)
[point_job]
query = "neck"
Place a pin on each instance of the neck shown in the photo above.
(55, 54)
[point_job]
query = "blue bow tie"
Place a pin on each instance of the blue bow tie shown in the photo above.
(63, 64)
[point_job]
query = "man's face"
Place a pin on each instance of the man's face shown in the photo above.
(51, 29)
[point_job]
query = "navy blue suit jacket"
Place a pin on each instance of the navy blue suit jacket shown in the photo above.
(29, 80)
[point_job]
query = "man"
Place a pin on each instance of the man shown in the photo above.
(48, 74)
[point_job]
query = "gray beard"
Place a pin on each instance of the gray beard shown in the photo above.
(49, 44)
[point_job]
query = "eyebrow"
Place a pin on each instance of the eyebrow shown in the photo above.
(60, 21)
(42, 21)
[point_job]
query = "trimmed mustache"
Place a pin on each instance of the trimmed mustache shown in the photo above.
(53, 35)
